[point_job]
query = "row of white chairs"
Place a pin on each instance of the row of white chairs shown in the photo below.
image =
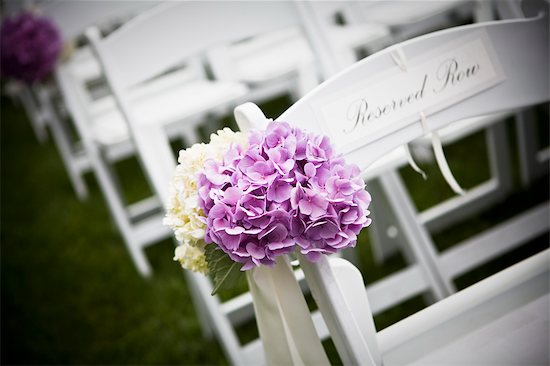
(249, 62)
(310, 56)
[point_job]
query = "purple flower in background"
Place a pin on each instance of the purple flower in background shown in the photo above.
(287, 190)
(29, 47)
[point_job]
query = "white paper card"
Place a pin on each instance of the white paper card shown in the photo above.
(432, 82)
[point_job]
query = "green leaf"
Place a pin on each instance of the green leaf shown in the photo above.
(225, 272)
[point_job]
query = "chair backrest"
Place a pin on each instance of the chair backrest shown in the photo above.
(166, 36)
(73, 17)
(375, 106)
(399, 94)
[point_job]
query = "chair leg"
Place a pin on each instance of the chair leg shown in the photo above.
(114, 198)
(306, 80)
(417, 236)
(530, 167)
(206, 326)
(37, 121)
(225, 331)
(499, 157)
(63, 144)
(383, 233)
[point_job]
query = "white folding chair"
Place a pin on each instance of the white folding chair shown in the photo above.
(482, 323)
(115, 53)
(71, 18)
(103, 138)
(165, 36)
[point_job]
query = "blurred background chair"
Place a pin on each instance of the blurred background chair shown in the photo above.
(40, 99)
(175, 24)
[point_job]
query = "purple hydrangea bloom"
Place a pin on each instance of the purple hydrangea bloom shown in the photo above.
(287, 190)
(29, 47)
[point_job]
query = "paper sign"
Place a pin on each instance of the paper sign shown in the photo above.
(379, 105)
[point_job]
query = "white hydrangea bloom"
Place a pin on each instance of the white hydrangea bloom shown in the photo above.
(191, 258)
(184, 214)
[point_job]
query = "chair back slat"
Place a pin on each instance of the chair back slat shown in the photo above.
(512, 71)
(73, 17)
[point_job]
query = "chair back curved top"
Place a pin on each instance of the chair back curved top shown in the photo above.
(511, 43)
(73, 17)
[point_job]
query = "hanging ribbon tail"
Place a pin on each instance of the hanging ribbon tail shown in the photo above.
(284, 321)
(444, 166)
(412, 163)
(399, 58)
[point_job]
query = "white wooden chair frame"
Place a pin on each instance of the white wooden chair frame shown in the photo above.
(71, 18)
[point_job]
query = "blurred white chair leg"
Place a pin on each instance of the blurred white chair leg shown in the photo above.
(223, 327)
(533, 163)
(76, 162)
(417, 235)
(207, 327)
(108, 179)
(35, 115)
(483, 11)
(307, 79)
(386, 238)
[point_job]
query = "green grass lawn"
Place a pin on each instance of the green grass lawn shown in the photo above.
(71, 295)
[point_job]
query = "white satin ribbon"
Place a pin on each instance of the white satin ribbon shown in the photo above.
(284, 322)
(399, 58)
(412, 163)
(441, 159)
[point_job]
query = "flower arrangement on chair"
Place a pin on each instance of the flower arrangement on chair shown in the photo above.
(244, 201)
(248, 200)
(30, 46)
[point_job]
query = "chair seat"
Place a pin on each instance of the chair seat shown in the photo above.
(401, 13)
(164, 104)
(269, 57)
(359, 35)
(84, 65)
(501, 320)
